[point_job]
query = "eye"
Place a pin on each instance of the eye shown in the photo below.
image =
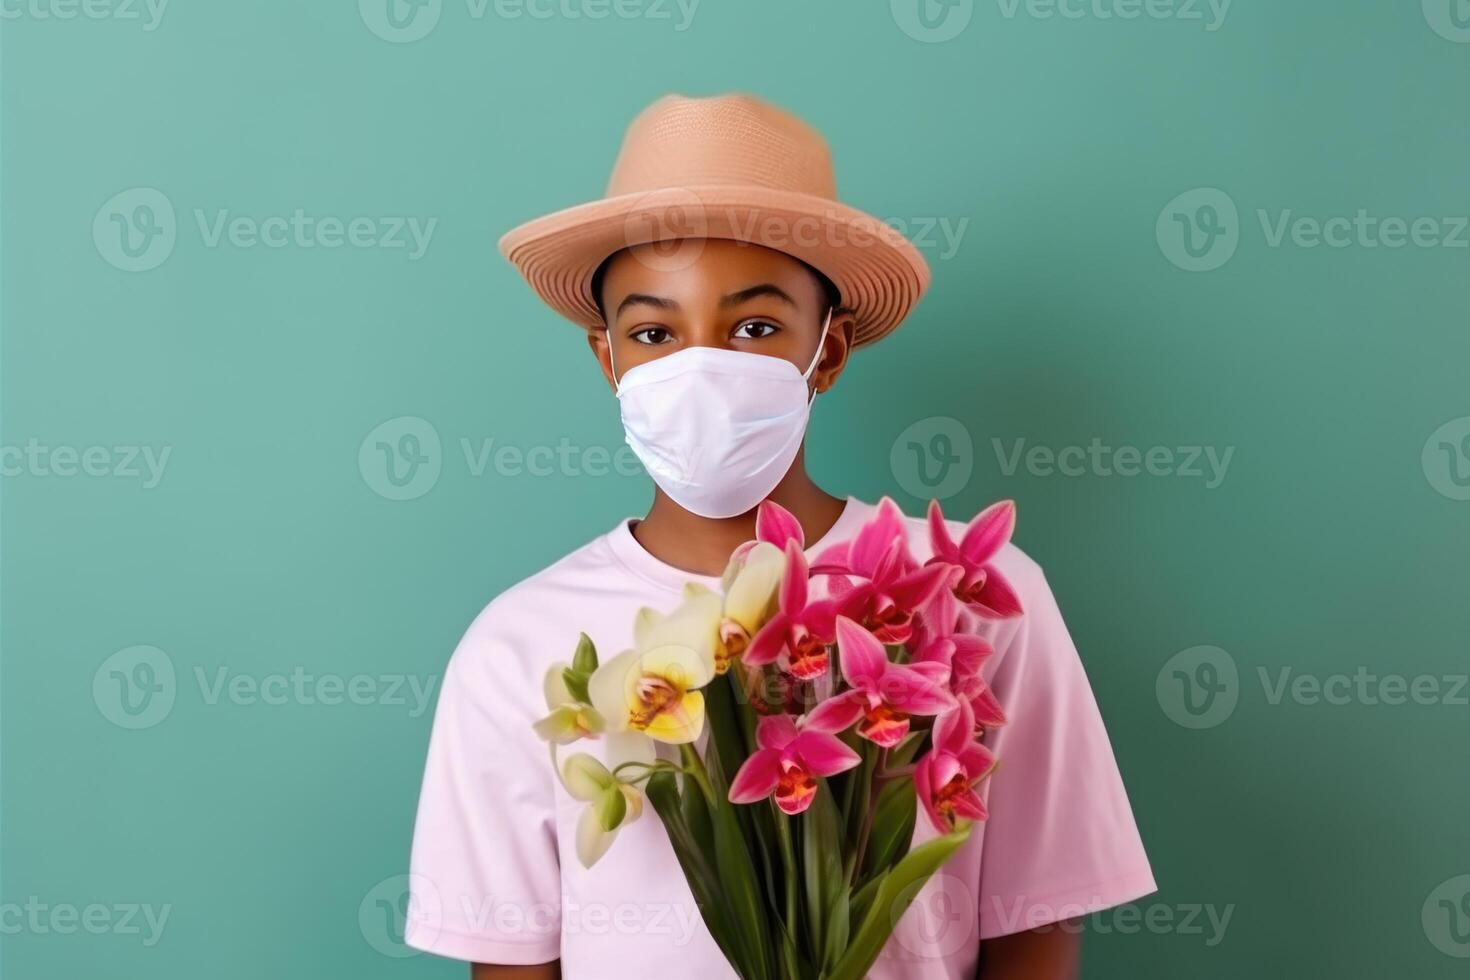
(652, 335)
(756, 330)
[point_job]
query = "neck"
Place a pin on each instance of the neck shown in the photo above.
(702, 545)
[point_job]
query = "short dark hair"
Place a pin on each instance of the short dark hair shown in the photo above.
(830, 292)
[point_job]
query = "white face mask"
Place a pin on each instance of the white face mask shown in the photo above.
(717, 429)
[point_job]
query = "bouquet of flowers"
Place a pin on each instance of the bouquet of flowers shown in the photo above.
(789, 729)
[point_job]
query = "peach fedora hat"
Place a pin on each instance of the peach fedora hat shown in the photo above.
(732, 167)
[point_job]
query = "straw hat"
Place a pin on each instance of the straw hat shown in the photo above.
(730, 167)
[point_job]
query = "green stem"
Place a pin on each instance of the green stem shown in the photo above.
(793, 875)
(694, 767)
(865, 829)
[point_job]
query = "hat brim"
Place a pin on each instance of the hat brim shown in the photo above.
(879, 273)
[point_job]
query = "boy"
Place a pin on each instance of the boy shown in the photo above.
(723, 287)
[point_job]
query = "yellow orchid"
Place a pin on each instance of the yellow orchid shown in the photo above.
(750, 583)
(613, 804)
(571, 717)
(654, 692)
(565, 689)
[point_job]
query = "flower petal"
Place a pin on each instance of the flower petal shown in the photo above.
(918, 588)
(775, 731)
(997, 599)
(757, 778)
(988, 711)
(554, 686)
(924, 790)
(940, 541)
(913, 692)
(822, 754)
(684, 667)
(863, 658)
(681, 724)
(585, 777)
(836, 714)
(592, 840)
(750, 591)
(875, 538)
(608, 688)
(968, 804)
(989, 532)
(977, 761)
(777, 525)
(954, 729)
(768, 642)
(794, 582)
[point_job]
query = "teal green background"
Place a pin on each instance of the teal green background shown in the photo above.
(265, 548)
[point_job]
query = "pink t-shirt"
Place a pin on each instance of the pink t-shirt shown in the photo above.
(495, 877)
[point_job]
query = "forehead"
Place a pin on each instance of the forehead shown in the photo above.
(692, 268)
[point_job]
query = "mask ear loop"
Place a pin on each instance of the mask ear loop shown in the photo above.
(817, 356)
(611, 365)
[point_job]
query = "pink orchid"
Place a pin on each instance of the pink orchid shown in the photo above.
(801, 629)
(945, 779)
(940, 637)
(884, 695)
(891, 586)
(778, 525)
(973, 579)
(791, 756)
(775, 525)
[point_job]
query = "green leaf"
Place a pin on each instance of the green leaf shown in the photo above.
(584, 661)
(662, 791)
(736, 867)
(837, 929)
(891, 898)
(893, 826)
(821, 861)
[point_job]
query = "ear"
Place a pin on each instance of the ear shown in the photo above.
(834, 349)
(597, 340)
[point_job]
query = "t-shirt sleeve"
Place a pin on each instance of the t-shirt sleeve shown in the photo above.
(1061, 840)
(484, 880)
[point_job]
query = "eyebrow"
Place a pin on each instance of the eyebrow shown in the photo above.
(752, 292)
(632, 299)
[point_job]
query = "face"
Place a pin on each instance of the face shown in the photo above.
(731, 295)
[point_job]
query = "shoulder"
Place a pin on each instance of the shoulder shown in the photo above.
(527, 627)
